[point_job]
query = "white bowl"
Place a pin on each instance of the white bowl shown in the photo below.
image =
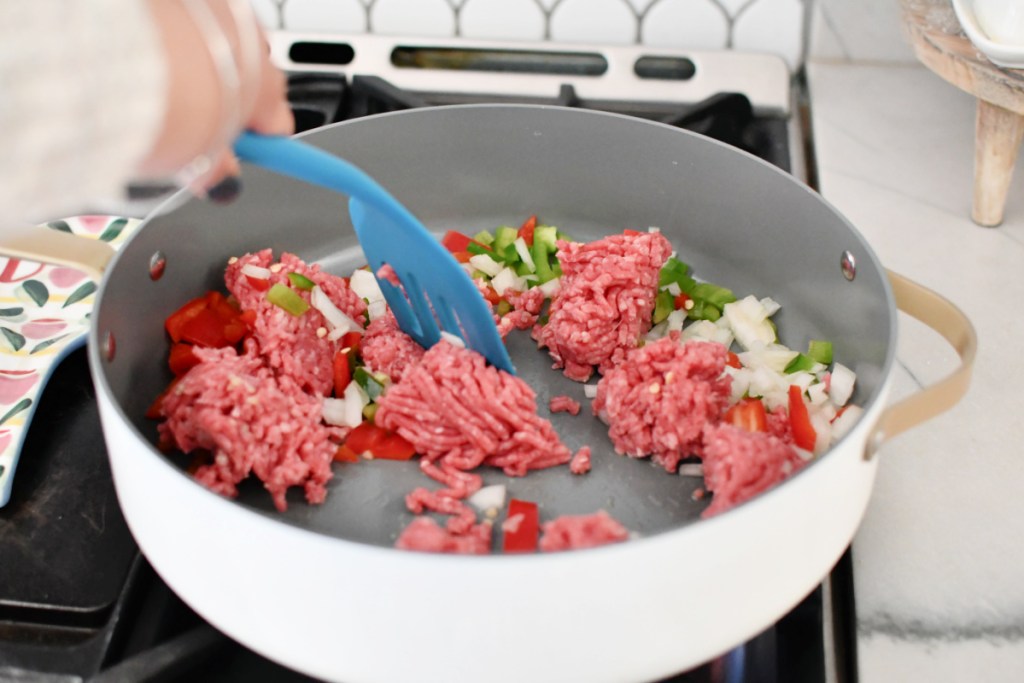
(996, 27)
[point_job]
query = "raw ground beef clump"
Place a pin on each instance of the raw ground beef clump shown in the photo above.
(658, 400)
(385, 348)
(260, 412)
(605, 300)
(250, 421)
(460, 414)
(291, 344)
(570, 532)
(739, 464)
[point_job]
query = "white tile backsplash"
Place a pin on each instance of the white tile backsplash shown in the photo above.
(849, 30)
(774, 26)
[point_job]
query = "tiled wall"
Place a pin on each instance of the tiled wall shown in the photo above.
(859, 30)
(775, 26)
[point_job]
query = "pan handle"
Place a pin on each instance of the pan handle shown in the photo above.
(941, 315)
(44, 245)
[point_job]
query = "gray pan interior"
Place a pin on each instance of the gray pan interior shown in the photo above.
(738, 221)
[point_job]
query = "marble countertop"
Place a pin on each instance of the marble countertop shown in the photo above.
(939, 559)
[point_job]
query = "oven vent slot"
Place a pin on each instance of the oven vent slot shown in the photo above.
(665, 68)
(497, 60)
(307, 52)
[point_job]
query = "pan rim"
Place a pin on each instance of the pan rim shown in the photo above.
(872, 404)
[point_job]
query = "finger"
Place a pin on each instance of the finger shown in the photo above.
(222, 182)
(271, 114)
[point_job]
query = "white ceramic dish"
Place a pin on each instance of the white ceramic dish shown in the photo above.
(1001, 54)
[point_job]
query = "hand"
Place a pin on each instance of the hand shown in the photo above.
(204, 114)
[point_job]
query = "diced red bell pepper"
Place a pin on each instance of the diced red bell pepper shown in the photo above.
(462, 256)
(210, 320)
(521, 528)
(732, 360)
(260, 284)
(804, 435)
(631, 233)
(748, 414)
(526, 230)
(492, 296)
(346, 454)
(181, 359)
(680, 301)
(380, 443)
(342, 373)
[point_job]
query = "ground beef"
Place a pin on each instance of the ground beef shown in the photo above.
(658, 400)
(250, 421)
(461, 413)
(296, 346)
(739, 464)
(426, 535)
(605, 301)
(570, 532)
(385, 348)
(564, 404)
(580, 463)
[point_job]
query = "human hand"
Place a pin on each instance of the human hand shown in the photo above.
(220, 81)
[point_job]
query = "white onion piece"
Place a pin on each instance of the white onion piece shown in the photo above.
(524, 254)
(365, 284)
(841, 384)
(653, 228)
(842, 424)
(551, 287)
(590, 390)
(817, 394)
(488, 498)
(822, 431)
(335, 317)
(485, 264)
(333, 410)
(505, 279)
(691, 469)
(258, 272)
(355, 400)
(672, 288)
(377, 309)
(453, 339)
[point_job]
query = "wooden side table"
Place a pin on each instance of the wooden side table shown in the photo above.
(940, 44)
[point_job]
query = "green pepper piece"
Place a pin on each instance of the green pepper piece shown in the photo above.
(664, 304)
(713, 294)
(484, 237)
(704, 310)
(820, 350)
(474, 248)
(801, 363)
(286, 298)
(300, 281)
(370, 411)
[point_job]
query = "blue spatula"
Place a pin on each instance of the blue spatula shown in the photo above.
(436, 292)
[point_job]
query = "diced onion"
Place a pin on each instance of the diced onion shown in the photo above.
(505, 279)
(691, 469)
(551, 287)
(453, 339)
(335, 317)
(672, 288)
(355, 400)
(334, 411)
(590, 390)
(488, 497)
(254, 271)
(365, 285)
(485, 264)
(842, 424)
(524, 254)
(841, 384)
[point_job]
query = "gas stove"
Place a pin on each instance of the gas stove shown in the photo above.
(77, 599)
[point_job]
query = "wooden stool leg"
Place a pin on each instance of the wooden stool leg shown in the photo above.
(997, 138)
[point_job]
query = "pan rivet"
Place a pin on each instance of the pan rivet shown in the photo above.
(157, 263)
(109, 346)
(849, 265)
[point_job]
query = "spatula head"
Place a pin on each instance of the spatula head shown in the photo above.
(436, 293)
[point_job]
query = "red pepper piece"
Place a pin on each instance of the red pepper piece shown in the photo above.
(346, 454)
(521, 527)
(462, 256)
(804, 435)
(526, 230)
(733, 360)
(260, 284)
(679, 302)
(181, 359)
(342, 373)
(177, 320)
(748, 414)
(378, 442)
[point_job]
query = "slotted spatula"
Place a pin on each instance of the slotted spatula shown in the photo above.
(436, 288)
